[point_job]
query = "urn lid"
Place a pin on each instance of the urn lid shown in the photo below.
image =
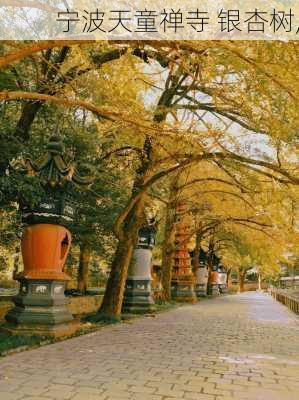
(221, 268)
(58, 178)
(202, 256)
(146, 237)
(53, 168)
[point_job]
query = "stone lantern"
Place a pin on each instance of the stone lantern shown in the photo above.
(40, 306)
(222, 278)
(182, 283)
(138, 293)
(202, 275)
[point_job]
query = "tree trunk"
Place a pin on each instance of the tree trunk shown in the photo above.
(241, 281)
(209, 283)
(167, 253)
(16, 261)
(85, 256)
(210, 263)
(30, 109)
(259, 282)
(114, 293)
(228, 274)
(196, 252)
(27, 117)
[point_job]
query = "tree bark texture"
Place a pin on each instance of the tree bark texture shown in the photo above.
(196, 252)
(241, 278)
(30, 109)
(114, 293)
(167, 252)
(85, 256)
(228, 275)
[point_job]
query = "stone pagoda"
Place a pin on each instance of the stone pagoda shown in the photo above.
(182, 284)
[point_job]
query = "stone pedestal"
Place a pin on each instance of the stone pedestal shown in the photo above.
(214, 290)
(182, 290)
(40, 306)
(223, 289)
(138, 294)
(201, 285)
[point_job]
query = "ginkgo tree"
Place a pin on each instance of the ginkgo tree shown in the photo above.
(218, 201)
(204, 99)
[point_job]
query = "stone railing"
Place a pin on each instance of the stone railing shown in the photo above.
(289, 298)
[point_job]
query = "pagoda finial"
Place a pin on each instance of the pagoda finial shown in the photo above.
(56, 176)
(53, 169)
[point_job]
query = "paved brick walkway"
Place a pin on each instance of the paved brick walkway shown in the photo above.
(235, 347)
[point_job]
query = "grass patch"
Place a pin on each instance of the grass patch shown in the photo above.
(8, 341)
(19, 342)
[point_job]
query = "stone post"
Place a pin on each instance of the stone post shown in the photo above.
(182, 284)
(138, 292)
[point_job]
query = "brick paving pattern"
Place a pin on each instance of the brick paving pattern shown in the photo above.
(235, 347)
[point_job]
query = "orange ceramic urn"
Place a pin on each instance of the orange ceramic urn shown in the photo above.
(44, 249)
(213, 287)
(214, 277)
